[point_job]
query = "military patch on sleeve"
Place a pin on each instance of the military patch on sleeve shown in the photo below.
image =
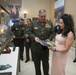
(16, 28)
(35, 28)
(23, 28)
(47, 26)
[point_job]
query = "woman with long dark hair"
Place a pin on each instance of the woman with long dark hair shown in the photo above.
(63, 40)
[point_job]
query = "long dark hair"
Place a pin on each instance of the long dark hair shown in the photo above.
(68, 24)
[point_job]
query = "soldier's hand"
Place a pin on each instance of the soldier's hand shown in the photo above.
(36, 39)
(14, 36)
(51, 48)
(27, 40)
(26, 35)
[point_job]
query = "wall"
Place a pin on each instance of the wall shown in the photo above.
(70, 9)
(52, 6)
(31, 7)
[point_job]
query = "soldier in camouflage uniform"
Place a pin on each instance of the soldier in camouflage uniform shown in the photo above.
(41, 29)
(28, 41)
(18, 38)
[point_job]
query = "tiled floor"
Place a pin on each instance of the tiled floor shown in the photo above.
(28, 68)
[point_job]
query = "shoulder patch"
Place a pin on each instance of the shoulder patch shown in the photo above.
(35, 27)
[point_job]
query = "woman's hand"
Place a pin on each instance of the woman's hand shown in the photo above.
(14, 36)
(27, 40)
(50, 48)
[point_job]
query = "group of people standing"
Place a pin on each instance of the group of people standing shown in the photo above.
(20, 38)
(42, 29)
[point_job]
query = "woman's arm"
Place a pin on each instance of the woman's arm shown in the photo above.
(69, 42)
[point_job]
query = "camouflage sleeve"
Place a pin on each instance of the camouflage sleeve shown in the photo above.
(25, 32)
(29, 31)
(52, 35)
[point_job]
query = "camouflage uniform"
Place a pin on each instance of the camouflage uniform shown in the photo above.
(18, 31)
(43, 31)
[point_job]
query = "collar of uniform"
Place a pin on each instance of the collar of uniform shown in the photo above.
(41, 22)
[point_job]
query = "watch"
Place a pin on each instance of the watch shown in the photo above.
(54, 50)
